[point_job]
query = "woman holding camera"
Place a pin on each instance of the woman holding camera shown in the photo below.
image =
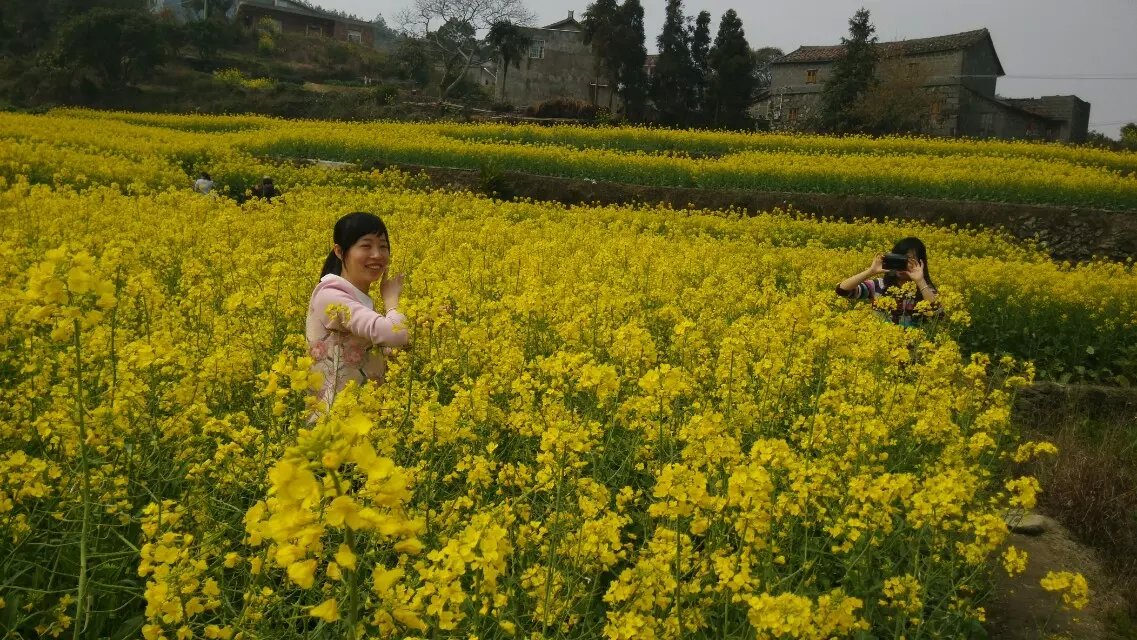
(908, 262)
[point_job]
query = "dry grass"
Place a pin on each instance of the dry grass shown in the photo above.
(1091, 486)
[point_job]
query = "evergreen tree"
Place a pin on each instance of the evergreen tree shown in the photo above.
(853, 74)
(673, 88)
(632, 85)
(601, 30)
(700, 50)
(732, 78)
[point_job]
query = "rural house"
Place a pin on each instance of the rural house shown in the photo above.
(559, 64)
(303, 19)
(960, 70)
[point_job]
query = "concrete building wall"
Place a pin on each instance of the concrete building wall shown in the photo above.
(795, 98)
(980, 69)
(1072, 112)
(987, 117)
(559, 65)
(934, 69)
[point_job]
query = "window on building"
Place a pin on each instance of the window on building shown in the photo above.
(355, 36)
(792, 117)
(537, 49)
(913, 69)
(811, 76)
(315, 30)
(986, 122)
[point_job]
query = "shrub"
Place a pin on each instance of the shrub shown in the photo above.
(385, 94)
(563, 108)
(234, 77)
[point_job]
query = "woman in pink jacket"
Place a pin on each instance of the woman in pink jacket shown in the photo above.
(345, 332)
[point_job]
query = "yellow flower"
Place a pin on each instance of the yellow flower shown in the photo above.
(345, 557)
(303, 573)
(1073, 587)
(328, 611)
(1014, 561)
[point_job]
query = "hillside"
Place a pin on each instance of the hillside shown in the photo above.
(218, 66)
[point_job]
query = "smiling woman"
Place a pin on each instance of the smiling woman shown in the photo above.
(343, 326)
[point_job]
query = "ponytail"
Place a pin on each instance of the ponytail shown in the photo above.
(332, 265)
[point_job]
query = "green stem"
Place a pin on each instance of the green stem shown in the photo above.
(353, 589)
(85, 472)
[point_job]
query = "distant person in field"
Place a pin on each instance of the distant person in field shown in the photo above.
(266, 189)
(343, 326)
(878, 281)
(203, 184)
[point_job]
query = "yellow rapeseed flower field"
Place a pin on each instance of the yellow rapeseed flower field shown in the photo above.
(611, 422)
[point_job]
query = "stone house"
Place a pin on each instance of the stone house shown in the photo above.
(959, 70)
(294, 17)
(559, 64)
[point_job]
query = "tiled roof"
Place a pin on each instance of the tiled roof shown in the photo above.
(567, 24)
(952, 42)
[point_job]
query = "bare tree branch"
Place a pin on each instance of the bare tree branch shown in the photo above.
(452, 30)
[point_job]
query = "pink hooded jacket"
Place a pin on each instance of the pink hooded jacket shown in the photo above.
(343, 330)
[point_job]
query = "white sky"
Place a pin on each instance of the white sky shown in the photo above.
(1033, 37)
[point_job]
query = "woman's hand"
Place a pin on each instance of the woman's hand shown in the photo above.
(877, 266)
(874, 270)
(915, 270)
(390, 289)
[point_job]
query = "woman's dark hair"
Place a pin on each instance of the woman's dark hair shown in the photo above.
(348, 230)
(205, 175)
(914, 244)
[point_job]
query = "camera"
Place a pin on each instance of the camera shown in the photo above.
(895, 262)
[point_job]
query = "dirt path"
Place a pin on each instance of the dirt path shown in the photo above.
(1022, 610)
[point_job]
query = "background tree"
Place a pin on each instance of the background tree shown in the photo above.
(673, 87)
(853, 75)
(896, 102)
(1129, 135)
(700, 50)
(108, 48)
(457, 48)
(211, 9)
(510, 45)
(601, 31)
(450, 29)
(413, 60)
(730, 91)
(762, 59)
(632, 85)
(27, 25)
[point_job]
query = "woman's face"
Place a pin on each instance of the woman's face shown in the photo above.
(367, 259)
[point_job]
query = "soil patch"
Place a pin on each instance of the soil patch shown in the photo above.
(1023, 610)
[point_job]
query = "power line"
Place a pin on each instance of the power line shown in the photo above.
(1050, 77)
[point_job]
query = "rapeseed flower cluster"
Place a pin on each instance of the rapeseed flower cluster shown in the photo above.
(611, 421)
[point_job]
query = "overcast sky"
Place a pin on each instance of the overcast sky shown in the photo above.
(1080, 42)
